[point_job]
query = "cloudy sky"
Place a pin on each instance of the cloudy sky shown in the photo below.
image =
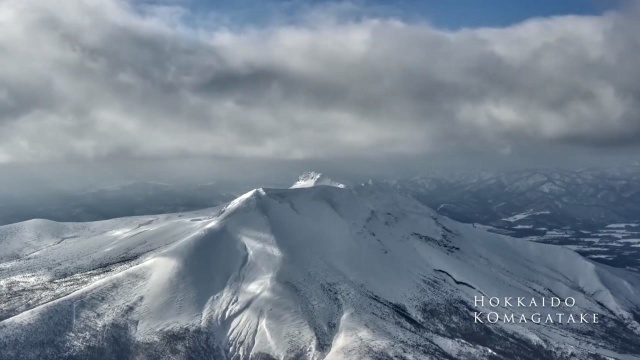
(318, 82)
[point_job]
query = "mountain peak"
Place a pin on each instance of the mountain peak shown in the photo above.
(312, 178)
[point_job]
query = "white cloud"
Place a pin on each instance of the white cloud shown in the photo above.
(94, 79)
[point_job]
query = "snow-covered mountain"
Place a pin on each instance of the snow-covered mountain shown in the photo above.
(319, 272)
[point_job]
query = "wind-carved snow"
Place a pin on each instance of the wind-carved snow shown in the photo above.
(310, 179)
(315, 273)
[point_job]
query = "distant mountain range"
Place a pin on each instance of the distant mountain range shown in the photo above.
(595, 211)
(540, 198)
(130, 199)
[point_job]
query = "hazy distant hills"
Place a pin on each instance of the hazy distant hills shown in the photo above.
(136, 198)
(596, 212)
(555, 198)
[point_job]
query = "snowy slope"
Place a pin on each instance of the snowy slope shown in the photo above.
(319, 272)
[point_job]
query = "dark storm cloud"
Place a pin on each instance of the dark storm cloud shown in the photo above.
(97, 79)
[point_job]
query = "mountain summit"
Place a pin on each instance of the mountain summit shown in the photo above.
(311, 178)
